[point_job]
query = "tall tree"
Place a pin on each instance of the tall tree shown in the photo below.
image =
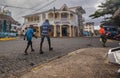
(107, 8)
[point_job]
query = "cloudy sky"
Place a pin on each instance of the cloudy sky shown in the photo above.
(89, 5)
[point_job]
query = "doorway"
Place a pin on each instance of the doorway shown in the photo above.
(64, 31)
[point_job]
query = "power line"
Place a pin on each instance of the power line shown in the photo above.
(16, 7)
(41, 7)
(46, 5)
(36, 5)
(28, 8)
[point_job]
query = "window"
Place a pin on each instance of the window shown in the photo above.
(64, 15)
(56, 15)
(36, 19)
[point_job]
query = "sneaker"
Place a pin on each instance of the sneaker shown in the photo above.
(50, 49)
(26, 53)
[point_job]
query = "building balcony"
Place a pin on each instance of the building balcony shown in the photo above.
(62, 21)
(33, 23)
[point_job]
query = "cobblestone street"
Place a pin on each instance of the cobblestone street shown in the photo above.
(13, 62)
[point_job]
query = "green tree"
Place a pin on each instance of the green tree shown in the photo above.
(107, 8)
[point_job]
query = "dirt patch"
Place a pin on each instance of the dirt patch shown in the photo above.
(83, 63)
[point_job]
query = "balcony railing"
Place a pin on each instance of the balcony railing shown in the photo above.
(62, 21)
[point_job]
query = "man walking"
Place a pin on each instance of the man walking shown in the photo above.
(102, 35)
(29, 34)
(45, 29)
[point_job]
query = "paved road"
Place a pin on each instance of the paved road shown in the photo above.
(12, 60)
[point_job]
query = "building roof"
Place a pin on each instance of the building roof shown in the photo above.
(78, 7)
(8, 19)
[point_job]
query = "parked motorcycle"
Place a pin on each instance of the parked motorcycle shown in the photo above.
(117, 37)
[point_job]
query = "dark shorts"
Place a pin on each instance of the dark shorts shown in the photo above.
(104, 38)
(29, 42)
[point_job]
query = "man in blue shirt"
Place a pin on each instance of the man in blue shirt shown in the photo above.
(29, 34)
(45, 29)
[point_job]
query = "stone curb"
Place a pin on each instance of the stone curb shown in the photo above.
(6, 39)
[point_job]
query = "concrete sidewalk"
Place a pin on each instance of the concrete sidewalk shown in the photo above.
(82, 63)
